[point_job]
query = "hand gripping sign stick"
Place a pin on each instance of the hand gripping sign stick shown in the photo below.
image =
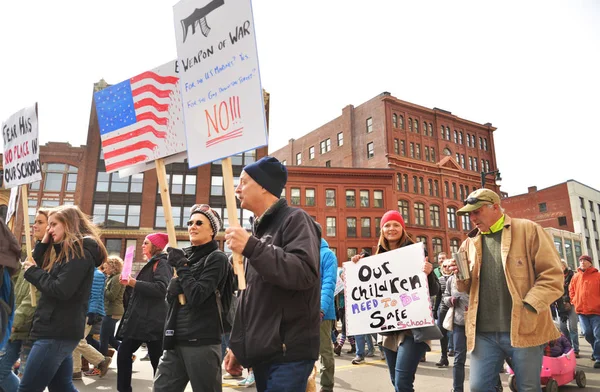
(238, 263)
(161, 172)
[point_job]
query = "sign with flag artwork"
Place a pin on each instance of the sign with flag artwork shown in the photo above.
(220, 81)
(141, 120)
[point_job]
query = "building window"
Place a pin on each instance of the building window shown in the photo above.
(396, 147)
(455, 136)
(480, 143)
(394, 120)
(330, 224)
(378, 199)
(415, 185)
(299, 159)
(350, 198)
(116, 215)
(562, 220)
(377, 227)
(430, 186)
(473, 141)
(364, 198)
(448, 133)
(401, 118)
(405, 180)
(470, 163)
(434, 216)
(340, 139)
(311, 152)
(351, 227)
(418, 151)
(419, 214)
(412, 150)
(398, 181)
(370, 151)
(216, 186)
(410, 124)
(475, 164)
(113, 247)
(416, 126)
(446, 189)
(325, 146)
(437, 247)
(442, 132)
(327, 163)
(462, 192)
(432, 154)
(403, 209)
(458, 158)
(309, 195)
(424, 128)
(460, 137)
(542, 207)
(485, 147)
(454, 245)
(365, 227)
(466, 223)
(350, 252)
(468, 140)
(430, 130)
(180, 216)
(330, 197)
(402, 148)
(451, 217)
(454, 195)
(462, 161)
(421, 186)
(295, 196)
(426, 153)
(422, 240)
(369, 124)
(178, 184)
(57, 173)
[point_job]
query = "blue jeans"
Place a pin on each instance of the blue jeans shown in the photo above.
(403, 363)
(460, 356)
(569, 328)
(491, 348)
(360, 344)
(450, 341)
(288, 377)
(590, 326)
(50, 364)
(107, 335)
(9, 382)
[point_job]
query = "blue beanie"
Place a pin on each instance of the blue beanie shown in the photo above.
(269, 173)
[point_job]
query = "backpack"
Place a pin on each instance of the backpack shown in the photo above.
(226, 300)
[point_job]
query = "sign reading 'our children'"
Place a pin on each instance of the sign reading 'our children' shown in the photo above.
(220, 81)
(387, 292)
(21, 148)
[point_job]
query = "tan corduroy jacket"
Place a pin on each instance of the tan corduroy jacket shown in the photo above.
(533, 274)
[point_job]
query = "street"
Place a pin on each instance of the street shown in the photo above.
(371, 376)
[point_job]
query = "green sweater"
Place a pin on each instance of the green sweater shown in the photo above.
(113, 296)
(24, 311)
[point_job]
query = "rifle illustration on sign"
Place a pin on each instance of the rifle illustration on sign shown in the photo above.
(199, 17)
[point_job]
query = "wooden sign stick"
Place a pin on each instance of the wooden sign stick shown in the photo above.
(161, 172)
(238, 264)
(25, 204)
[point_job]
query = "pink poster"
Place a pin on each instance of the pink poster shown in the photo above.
(127, 263)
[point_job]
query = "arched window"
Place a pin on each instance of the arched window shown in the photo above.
(410, 124)
(416, 126)
(434, 215)
(442, 132)
(454, 245)
(420, 214)
(448, 133)
(403, 210)
(447, 152)
(455, 136)
(460, 137)
(430, 130)
(395, 120)
(424, 128)
(451, 217)
(423, 239)
(437, 247)
(401, 122)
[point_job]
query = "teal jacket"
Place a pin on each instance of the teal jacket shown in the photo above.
(328, 280)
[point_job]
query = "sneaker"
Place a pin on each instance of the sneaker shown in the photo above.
(77, 375)
(443, 362)
(450, 353)
(337, 350)
(250, 382)
(93, 372)
(597, 365)
(358, 360)
(370, 353)
(103, 366)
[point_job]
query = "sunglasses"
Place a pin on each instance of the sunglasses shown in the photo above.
(475, 200)
(197, 223)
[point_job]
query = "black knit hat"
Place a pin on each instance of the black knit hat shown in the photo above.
(269, 173)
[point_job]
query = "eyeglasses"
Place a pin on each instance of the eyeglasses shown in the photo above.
(197, 222)
(475, 200)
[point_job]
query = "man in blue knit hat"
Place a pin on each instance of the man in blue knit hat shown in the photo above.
(277, 323)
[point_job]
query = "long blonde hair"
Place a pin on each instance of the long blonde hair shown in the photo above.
(383, 243)
(77, 225)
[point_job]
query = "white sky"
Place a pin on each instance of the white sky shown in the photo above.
(531, 68)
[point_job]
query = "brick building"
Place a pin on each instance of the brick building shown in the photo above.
(434, 157)
(569, 206)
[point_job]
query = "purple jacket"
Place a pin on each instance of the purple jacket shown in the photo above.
(558, 347)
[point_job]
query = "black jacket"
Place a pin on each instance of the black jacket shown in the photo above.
(561, 303)
(277, 317)
(146, 311)
(65, 291)
(196, 323)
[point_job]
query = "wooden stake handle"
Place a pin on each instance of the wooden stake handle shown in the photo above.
(238, 263)
(161, 172)
(25, 204)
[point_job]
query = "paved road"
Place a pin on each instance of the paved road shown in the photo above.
(371, 376)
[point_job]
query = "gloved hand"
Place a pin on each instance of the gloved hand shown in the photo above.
(92, 318)
(174, 288)
(176, 258)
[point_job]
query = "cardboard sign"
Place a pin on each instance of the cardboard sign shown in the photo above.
(220, 82)
(128, 263)
(387, 292)
(141, 120)
(21, 148)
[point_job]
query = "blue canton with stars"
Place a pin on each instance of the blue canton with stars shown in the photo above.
(115, 108)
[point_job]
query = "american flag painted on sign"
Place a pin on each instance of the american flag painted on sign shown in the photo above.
(140, 119)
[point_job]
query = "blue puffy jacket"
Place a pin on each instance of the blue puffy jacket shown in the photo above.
(96, 303)
(329, 268)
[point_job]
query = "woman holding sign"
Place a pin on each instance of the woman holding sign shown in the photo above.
(402, 353)
(65, 285)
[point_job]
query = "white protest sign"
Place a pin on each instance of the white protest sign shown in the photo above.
(12, 203)
(220, 83)
(387, 292)
(21, 148)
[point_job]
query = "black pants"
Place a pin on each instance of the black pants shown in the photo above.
(444, 339)
(125, 365)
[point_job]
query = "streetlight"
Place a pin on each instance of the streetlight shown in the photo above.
(498, 179)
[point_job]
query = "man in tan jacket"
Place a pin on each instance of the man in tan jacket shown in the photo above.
(514, 264)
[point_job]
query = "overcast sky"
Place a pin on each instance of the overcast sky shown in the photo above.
(531, 68)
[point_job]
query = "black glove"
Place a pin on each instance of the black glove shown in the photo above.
(92, 318)
(435, 315)
(174, 288)
(176, 258)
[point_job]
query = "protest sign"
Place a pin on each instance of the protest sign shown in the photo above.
(220, 82)
(387, 292)
(141, 120)
(12, 203)
(339, 284)
(21, 148)
(127, 263)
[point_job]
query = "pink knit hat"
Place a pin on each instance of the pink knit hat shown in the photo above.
(392, 215)
(160, 240)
